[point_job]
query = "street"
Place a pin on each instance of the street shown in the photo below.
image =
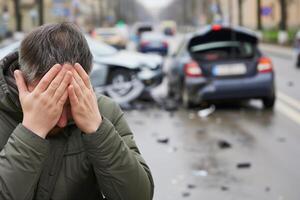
(238, 152)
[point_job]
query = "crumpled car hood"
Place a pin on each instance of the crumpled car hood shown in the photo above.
(132, 60)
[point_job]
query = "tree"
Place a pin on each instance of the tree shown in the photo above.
(41, 11)
(240, 5)
(283, 11)
(18, 15)
(258, 12)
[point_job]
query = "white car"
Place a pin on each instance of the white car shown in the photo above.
(117, 73)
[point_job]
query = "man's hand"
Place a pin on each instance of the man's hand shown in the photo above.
(84, 106)
(43, 106)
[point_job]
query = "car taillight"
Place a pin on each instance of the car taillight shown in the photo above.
(216, 27)
(192, 69)
(264, 65)
(165, 44)
(144, 43)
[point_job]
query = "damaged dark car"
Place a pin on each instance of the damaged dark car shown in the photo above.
(221, 63)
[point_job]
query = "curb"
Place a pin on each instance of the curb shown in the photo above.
(277, 50)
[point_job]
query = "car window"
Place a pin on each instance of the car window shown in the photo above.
(222, 50)
(152, 37)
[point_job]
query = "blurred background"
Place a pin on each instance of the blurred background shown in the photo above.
(209, 87)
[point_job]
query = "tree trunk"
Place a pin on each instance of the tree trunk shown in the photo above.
(283, 25)
(41, 11)
(240, 2)
(18, 15)
(259, 26)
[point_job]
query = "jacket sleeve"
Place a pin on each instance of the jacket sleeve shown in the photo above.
(121, 172)
(21, 160)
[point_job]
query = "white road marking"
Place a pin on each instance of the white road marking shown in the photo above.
(289, 100)
(288, 106)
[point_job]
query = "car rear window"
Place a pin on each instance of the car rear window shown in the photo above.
(152, 37)
(222, 50)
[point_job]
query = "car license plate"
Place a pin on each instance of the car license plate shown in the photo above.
(156, 44)
(229, 69)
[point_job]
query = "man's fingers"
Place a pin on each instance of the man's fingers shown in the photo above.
(84, 76)
(63, 98)
(72, 96)
(63, 85)
(47, 79)
(79, 81)
(56, 82)
(77, 89)
(20, 81)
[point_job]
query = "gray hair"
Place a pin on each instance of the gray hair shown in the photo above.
(51, 44)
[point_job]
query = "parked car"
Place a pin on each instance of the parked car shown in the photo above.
(140, 28)
(221, 63)
(112, 36)
(153, 43)
(169, 27)
(297, 49)
(116, 68)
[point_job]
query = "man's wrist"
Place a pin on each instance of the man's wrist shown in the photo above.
(35, 130)
(94, 128)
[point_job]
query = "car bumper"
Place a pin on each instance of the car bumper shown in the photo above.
(151, 78)
(202, 89)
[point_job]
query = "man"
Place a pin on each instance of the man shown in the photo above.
(57, 140)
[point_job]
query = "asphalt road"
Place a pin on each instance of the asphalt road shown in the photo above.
(237, 152)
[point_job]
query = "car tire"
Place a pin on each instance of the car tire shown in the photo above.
(118, 79)
(298, 62)
(269, 102)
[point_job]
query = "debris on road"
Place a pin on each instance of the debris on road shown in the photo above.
(290, 83)
(281, 139)
(160, 92)
(186, 194)
(224, 188)
(207, 111)
(243, 165)
(163, 140)
(202, 173)
(223, 144)
(191, 186)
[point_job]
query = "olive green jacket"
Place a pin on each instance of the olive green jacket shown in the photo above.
(105, 164)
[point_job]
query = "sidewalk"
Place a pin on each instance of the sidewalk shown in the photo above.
(277, 50)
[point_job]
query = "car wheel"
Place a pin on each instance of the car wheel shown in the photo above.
(269, 102)
(185, 98)
(298, 62)
(121, 82)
